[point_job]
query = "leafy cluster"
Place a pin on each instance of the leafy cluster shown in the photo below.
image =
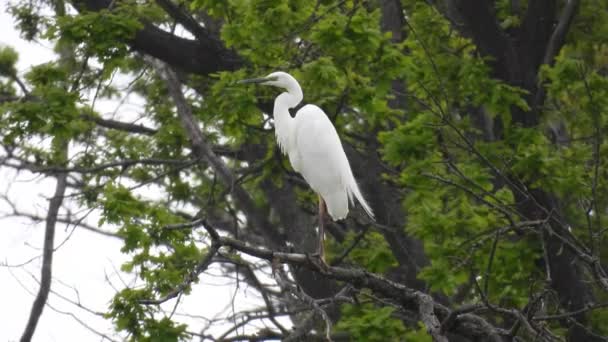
(429, 110)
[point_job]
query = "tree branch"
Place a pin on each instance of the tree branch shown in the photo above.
(558, 37)
(121, 163)
(47, 257)
(183, 18)
(430, 312)
(202, 56)
(119, 125)
(428, 317)
(65, 220)
(535, 31)
(204, 152)
(412, 300)
(477, 19)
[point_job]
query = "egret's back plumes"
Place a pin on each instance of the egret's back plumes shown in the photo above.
(353, 191)
(337, 202)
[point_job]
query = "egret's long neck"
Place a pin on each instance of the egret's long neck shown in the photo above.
(283, 122)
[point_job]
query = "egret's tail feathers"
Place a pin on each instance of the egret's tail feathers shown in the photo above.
(337, 204)
(353, 191)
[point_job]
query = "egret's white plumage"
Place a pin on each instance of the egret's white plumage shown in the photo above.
(313, 147)
(321, 160)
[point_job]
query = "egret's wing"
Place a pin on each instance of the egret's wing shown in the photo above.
(319, 147)
(321, 158)
(322, 161)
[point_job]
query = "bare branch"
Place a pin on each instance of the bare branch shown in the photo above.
(187, 225)
(203, 151)
(297, 291)
(571, 313)
(183, 18)
(119, 125)
(409, 299)
(47, 257)
(428, 317)
(121, 163)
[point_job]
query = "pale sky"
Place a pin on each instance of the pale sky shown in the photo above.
(86, 261)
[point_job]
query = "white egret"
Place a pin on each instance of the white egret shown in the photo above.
(314, 150)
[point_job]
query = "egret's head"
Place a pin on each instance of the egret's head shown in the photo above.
(278, 79)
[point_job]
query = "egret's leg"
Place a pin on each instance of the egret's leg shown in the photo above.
(322, 211)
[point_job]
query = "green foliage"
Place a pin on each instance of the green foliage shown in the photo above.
(102, 34)
(454, 155)
(419, 335)
(239, 105)
(410, 142)
(371, 252)
(368, 323)
(129, 315)
(598, 319)
(142, 230)
(509, 16)
(126, 307)
(29, 20)
(52, 112)
(8, 58)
